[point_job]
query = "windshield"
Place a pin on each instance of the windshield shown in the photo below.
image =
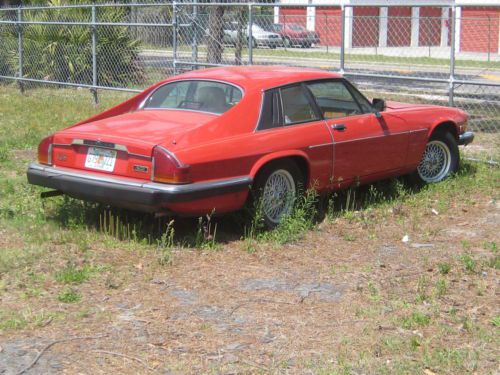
(204, 96)
(297, 27)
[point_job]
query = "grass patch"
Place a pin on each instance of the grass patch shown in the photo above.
(72, 274)
(444, 268)
(415, 320)
(69, 295)
(468, 262)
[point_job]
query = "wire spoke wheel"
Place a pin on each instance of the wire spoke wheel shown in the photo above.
(436, 162)
(278, 195)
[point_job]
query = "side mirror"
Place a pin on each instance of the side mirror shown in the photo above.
(378, 105)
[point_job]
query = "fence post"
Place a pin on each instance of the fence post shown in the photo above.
(94, 56)
(194, 47)
(250, 35)
(452, 57)
(174, 36)
(342, 39)
(20, 48)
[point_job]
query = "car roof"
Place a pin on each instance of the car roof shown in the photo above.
(258, 77)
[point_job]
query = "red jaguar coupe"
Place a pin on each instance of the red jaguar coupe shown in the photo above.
(204, 140)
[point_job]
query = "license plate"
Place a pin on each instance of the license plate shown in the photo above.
(101, 159)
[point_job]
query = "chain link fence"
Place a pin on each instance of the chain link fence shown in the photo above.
(421, 54)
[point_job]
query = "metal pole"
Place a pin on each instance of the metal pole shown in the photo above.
(20, 48)
(94, 56)
(452, 57)
(342, 39)
(174, 36)
(250, 35)
(194, 47)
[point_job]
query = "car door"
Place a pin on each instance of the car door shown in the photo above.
(365, 147)
(291, 122)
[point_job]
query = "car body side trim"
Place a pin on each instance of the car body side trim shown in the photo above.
(321, 145)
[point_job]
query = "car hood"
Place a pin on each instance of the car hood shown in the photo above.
(390, 105)
(146, 126)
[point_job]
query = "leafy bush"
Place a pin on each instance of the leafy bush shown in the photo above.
(63, 53)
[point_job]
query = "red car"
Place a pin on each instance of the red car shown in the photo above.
(294, 34)
(202, 141)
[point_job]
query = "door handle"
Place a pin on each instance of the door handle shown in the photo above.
(339, 127)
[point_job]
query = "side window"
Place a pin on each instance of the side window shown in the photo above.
(297, 107)
(334, 99)
(270, 116)
(362, 101)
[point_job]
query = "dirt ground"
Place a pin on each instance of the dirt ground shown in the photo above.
(334, 302)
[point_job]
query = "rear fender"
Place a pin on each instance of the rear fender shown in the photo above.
(278, 155)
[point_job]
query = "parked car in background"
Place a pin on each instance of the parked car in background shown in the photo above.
(294, 34)
(209, 140)
(260, 37)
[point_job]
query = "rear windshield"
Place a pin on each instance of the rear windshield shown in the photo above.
(203, 96)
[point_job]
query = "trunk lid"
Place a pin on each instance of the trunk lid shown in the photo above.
(123, 145)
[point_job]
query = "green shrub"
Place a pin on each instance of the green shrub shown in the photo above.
(63, 53)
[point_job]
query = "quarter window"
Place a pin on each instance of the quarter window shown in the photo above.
(297, 107)
(334, 99)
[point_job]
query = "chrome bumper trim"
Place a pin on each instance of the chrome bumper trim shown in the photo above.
(465, 138)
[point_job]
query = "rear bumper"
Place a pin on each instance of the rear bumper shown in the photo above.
(465, 138)
(148, 196)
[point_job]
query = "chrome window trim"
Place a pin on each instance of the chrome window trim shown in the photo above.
(143, 103)
(262, 93)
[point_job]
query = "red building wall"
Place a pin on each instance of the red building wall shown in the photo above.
(430, 26)
(329, 25)
(365, 27)
(479, 30)
(293, 15)
(399, 27)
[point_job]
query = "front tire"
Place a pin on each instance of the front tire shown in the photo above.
(276, 189)
(440, 160)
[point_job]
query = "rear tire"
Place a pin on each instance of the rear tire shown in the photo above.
(440, 160)
(276, 189)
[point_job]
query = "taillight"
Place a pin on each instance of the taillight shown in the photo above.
(45, 150)
(167, 169)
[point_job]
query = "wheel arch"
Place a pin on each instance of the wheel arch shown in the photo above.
(443, 126)
(299, 157)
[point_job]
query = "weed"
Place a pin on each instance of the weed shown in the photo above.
(414, 343)
(415, 319)
(490, 245)
(444, 268)
(441, 288)
(467, 325)
(69, 296)
(422, 289)
(496, 321)
(71, 274)
(165, 245)
(494, 262)
(373, 290)
(293, 226)
(468, 262)
(206, 233)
